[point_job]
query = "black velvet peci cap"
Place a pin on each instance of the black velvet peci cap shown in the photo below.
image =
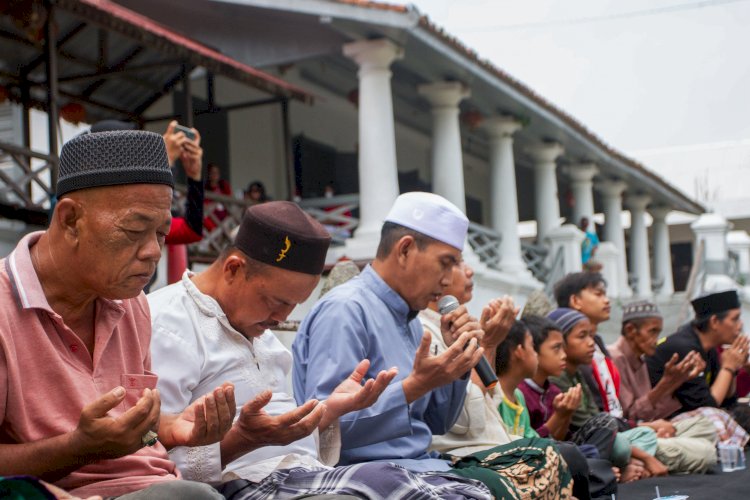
(715, 303)
(281, 234)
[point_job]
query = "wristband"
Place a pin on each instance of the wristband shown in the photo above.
(733, 372)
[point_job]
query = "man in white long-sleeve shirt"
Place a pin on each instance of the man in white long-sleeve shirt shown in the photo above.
(216, 326)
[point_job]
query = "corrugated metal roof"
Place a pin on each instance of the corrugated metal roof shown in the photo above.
(135, 58)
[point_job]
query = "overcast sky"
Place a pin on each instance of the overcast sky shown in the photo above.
(640, 74)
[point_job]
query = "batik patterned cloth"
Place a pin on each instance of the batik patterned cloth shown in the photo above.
(522, 470)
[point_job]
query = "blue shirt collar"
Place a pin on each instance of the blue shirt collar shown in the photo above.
(388, 295)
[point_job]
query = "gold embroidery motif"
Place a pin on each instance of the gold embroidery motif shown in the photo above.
(287, 246)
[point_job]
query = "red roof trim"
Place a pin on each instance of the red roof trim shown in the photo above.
(105, 12)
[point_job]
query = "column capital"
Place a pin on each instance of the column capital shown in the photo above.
(373, 54)
(660, 212)
(546, 152)
(710, 222)
(738, 239)
(444, 94)
(581, 172)
(501, 126)
(637, 201)
(611, 187)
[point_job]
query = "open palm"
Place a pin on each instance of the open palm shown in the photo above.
(352, 395)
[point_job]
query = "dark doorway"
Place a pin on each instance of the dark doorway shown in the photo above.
(214, 130)
(682, 261)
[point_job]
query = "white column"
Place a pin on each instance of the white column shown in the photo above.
(662, 250)
(609, 257)
(546, 201)
(611, 191)
(581, 181)
(739, 243)
(566, 239)
(639, 261)
(504, 200)
(447, 158)
(712, 230)
(378, 173)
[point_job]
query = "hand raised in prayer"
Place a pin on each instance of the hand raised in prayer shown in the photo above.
(255, 428)
(101, 436)
(699, 366)
(204, 422)
(496, 320)
(568, 402)
(352, 395)
(456, 323)
(431, 371)
(677, 372)
(736, 355)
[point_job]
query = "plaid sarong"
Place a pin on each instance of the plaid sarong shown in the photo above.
(727, 428)
(372, 480)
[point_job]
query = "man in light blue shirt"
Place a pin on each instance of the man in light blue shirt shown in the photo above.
(374, 316)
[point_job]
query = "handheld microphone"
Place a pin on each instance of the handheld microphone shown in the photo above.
(449, 303)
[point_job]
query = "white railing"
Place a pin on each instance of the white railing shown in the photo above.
(535, 257)
(486, 244)
(225, 214)
(25, 177)
(555, 272)
(335, 213)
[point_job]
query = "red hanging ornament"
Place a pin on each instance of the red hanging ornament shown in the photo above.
(472, 118)
(73, 113)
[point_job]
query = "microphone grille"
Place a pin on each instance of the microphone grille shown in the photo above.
(447, 304)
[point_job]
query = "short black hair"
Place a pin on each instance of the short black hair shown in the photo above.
(701, 323)
(575, 283)
(540, 328)
(516, 336)
(392, 232)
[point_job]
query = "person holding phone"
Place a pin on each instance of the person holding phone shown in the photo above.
(183, 143)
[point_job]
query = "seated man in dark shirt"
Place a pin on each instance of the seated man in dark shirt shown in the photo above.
(717, 322)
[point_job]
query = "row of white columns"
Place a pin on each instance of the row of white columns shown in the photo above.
(378, 175)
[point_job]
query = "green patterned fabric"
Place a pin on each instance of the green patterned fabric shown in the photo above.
(522, 470)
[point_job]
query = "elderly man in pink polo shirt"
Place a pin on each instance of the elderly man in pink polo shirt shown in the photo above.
(78, 404)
